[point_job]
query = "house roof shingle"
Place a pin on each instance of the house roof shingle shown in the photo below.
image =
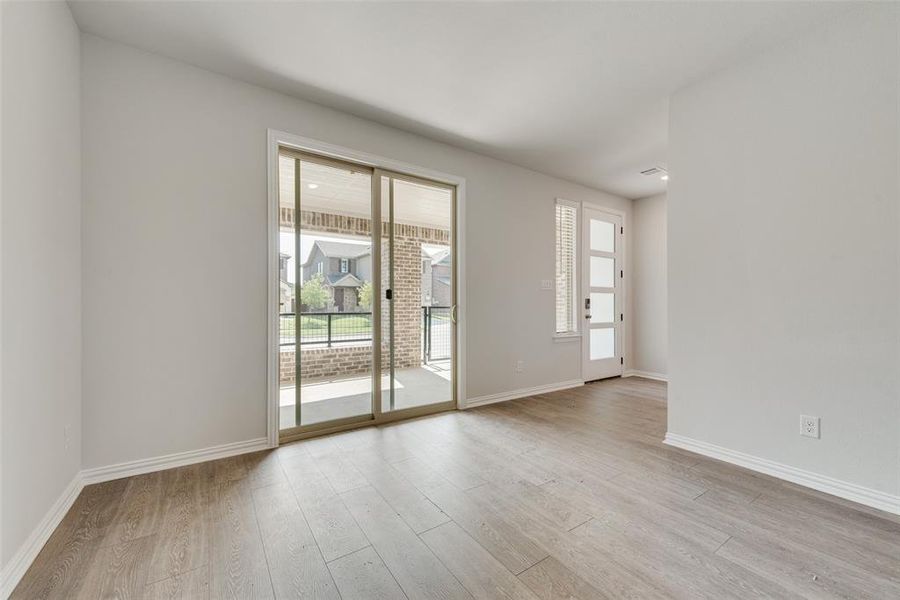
(342, 249)
(343, 280)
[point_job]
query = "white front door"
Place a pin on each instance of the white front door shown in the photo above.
(603, 300)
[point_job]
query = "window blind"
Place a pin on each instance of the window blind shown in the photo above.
(566, 218)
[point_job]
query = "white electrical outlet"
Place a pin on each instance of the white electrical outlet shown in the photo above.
(809, 426)
(546, 284)
(520, 366)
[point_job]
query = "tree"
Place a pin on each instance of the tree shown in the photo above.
(365, 295)
(313, 294)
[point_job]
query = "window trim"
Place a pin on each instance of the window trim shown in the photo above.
(575, 331)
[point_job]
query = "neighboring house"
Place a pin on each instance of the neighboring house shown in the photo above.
(441, 279)
(285, 287)
(436, 278)
(426, 279)
(344, 268)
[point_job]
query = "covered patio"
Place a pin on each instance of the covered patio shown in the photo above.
(328, 398)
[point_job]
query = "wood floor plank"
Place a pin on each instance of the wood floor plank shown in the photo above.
(141, 509)
(498, 535)
(555, 510)
(421, 474)
(419, 573)
(602, 568)
(333, 527)
(295, 563)
(564, 495)
(473, 566)
(362, 575)
(882, 537)
(441, 459)
(225, 470)
(58, 571)
(385, 442)
(481, 454)
(842, 547)
(816, 579)
(536, 525)
(341, 473)
(413, 506)
(191, 585)
(621, 510)
(676, 565)
(264, 469)
(552, 580)
(182, 543)
(238, 568)
(118, 571)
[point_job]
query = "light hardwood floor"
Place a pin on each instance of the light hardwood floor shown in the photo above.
(565, 495)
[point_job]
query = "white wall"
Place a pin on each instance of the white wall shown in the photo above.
(783, 254)
(649, 322)
(175, 253)
(41, 264)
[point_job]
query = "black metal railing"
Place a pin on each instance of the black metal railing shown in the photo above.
(332, 328)
(326, 328)
(437, 336)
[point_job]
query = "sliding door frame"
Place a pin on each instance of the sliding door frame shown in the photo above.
(379, 166)
(453, 403)
(299, 429)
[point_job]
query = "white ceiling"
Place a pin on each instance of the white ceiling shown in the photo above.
(344, 192)
(576, 90)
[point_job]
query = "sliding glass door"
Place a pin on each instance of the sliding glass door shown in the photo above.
(418, 315)
(326, 314)
(367, 314)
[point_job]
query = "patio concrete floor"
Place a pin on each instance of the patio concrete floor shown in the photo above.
(339, 397)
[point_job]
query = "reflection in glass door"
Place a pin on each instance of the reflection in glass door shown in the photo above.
(360, 304)
(418, 304)
(603, 294)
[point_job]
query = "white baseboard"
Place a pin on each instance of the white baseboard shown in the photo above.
(823, 483)
(20, 561)
(645, 375)
(522, 393)
(169, 461)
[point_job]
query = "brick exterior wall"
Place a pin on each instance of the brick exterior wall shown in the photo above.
(286, 365)
(321, 362)
(407, 302)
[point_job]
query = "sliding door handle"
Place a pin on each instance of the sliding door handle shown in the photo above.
(453, 313)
